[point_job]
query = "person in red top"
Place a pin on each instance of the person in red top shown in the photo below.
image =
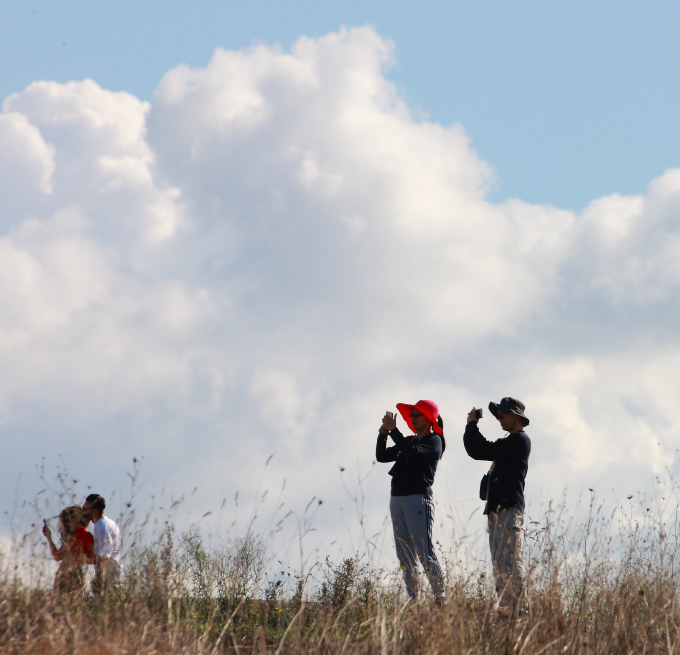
(76, 550)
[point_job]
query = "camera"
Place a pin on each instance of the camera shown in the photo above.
(478, 413)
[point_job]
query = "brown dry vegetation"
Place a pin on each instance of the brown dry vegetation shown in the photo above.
(597, 585)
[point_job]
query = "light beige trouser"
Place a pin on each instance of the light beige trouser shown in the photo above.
(505, 542)
(106, 574)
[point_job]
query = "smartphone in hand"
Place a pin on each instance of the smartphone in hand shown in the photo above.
(389, 414)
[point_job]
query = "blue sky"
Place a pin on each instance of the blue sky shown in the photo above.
(230, 231)
(568, 101)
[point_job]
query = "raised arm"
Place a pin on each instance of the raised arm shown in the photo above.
(423, 448)
(382, 452)
(512, 446)
(57, 553)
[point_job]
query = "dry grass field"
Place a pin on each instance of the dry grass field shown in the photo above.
(599, 584)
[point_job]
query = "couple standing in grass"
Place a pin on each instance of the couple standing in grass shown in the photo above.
(79, 547)
(412, 510)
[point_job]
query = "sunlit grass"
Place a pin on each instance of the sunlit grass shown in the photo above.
(600, 581)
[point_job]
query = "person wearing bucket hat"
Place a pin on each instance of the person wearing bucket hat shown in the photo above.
(411, 508)
(503, 490)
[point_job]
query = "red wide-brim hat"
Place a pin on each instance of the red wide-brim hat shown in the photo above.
(425, 407)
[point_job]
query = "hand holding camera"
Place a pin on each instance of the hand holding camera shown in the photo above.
(389, 422)
(474, 415)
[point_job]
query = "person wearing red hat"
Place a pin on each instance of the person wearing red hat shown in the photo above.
(411, 508)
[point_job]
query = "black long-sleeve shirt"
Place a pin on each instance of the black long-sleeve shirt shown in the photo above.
(415, 461)
(511, 463)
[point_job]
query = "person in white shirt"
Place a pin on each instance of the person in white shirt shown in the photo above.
(107, 543)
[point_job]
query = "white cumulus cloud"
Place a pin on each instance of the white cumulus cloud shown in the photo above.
(276, 250)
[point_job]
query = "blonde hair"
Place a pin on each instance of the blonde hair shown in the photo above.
(65, 519)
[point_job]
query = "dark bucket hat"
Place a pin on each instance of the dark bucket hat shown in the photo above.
(509, 406)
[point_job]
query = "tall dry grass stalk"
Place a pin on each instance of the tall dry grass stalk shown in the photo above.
(599, 583)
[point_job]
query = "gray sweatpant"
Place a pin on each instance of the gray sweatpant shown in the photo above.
(412, 519)
(505, 542)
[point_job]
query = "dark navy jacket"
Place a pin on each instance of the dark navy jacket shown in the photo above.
(511, 463)
(415, 461)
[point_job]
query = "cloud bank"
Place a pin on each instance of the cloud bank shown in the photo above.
(275, 250)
